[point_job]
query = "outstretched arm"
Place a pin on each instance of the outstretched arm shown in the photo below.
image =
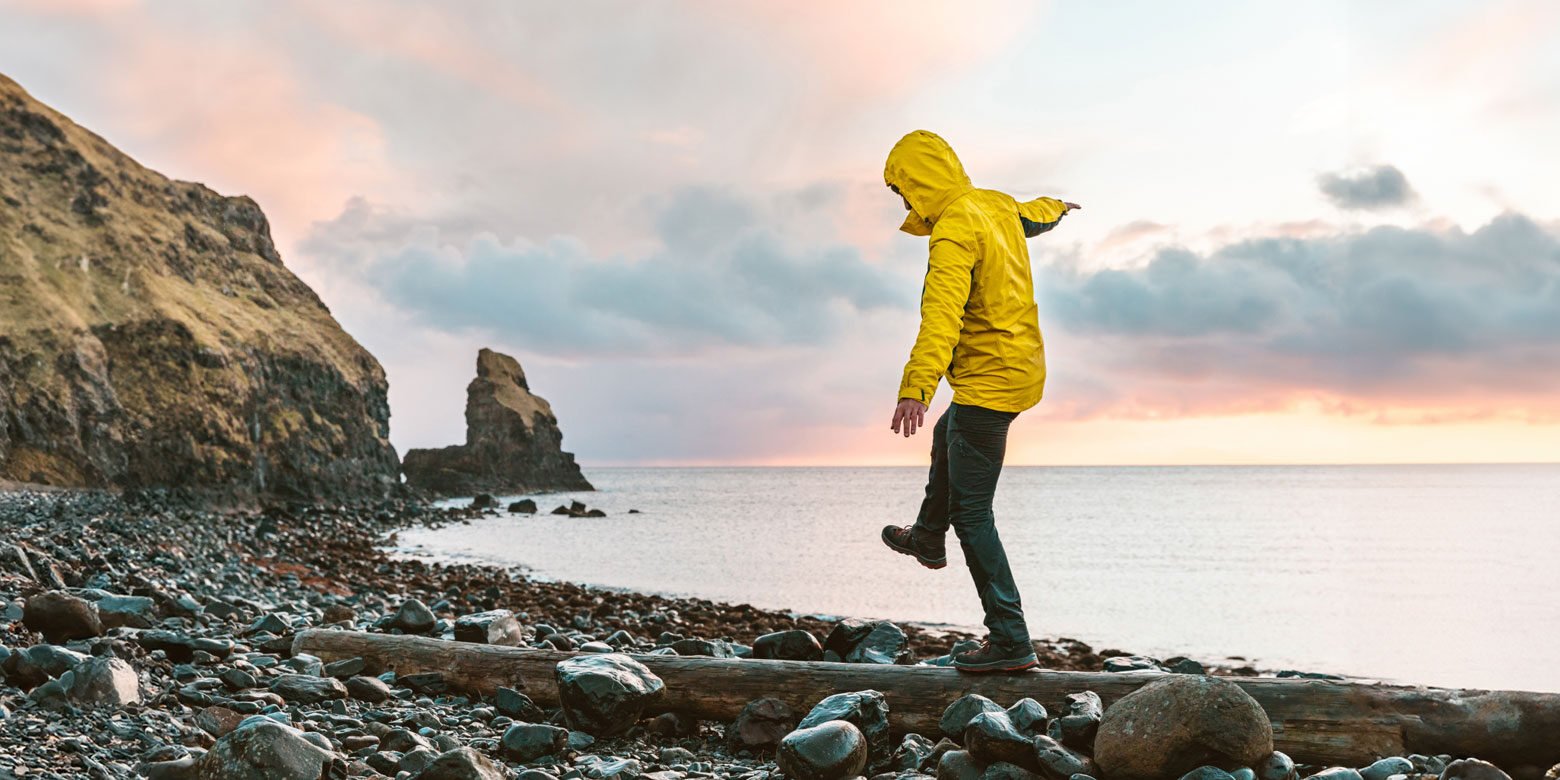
(1042, 214)
(943, 299)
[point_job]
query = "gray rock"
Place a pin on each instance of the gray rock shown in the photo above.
(714, 648)
(1207, 773)
(462, 764)
(1028, 717)
(1076, 729)
(175, 769)
(959, 714)
(990, 738)
(370, 689)
(604, 695)
(1183, 665)
(35, 665)
(494, 627)
(1277, 766)
(218, 721)
(517, 705)
(535, 774)
(1177, 723)
(61, 617)
(913, 752)
(1244, 773)
(793, 645)
(1473, 769)
(307, 689)
(417, 760)
(525, 506)
(610, 768)
(866, 710)
(524, 742)
(105, 682)
(344, 669)
(118, 611)
(52, 694)
(1057, 760)
(413, 617)
(1387, 767)
(959, 765)
(1430, 765)
(1335, 773)
(832, 750)
(262, 749)
(886, 643)
(1131, 663)
(761, 725)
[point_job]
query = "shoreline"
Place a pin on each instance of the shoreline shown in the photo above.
(201, 608)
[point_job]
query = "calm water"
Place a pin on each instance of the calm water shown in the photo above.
(1443, 575)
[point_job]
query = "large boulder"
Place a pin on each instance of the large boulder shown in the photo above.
(605, 694)
(513, 444)
(866, 710)
(263, 749)
(1174, 725)
(61, 616)
(178, 351)
(832, 750)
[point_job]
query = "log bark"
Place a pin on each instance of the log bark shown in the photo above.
(1314, 721)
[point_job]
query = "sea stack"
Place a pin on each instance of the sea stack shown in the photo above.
(150, 336)
(513, 444)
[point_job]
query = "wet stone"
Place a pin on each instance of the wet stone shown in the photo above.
(1131, 663)
(959, 765)
(1005, 771)
(605, 694)
(524, 742)
(913, 752)
(886, 643)
(524, 506)
(1336, 773)
(370, 689)
(413, 617)
(832, 750)
(1058, 760)
(517, 705)
(307, 689)
(1387, 767)
(118, 611)
(959, 714)
(761, 725)
(1244, 773)
(262, 749)
(1183, 665)
(990, 737)
(1077, 727)
(1028, 717)
(866, 710)
(1277, 766)
(1207, 773)
(714, 648)
(793, 645)
(345, 668)
(218, 721)
(494, 627)
(462, 764)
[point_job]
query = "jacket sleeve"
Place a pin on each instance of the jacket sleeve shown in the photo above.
(943, 299)
(1040, 215)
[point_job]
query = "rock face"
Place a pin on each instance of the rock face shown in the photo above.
(513, 444)
(150, 336)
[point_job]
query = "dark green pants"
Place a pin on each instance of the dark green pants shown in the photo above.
(968, 443)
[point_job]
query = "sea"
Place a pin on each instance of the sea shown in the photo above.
(1441, 575)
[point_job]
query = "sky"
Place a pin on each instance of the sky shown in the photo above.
(1312, 233)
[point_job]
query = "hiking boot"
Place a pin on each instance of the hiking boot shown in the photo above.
(991, 658)
(902, 539)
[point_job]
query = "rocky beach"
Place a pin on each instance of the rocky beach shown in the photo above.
(144, 637)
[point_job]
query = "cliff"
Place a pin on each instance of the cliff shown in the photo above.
(150, 336)
(513, 444)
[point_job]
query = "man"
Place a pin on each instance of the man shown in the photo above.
(979, 328)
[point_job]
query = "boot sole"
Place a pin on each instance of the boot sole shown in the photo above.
(930, 563)
(996, 667)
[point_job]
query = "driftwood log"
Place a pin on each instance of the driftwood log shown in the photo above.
(1314, 721)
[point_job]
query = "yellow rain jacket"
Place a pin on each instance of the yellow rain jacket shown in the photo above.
(979, 322)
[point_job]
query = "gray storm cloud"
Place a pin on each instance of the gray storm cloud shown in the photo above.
(724, 274)
(1377, 187)
(1411, 313)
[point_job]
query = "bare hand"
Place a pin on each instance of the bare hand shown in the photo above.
(909, 415)
(1071, 206)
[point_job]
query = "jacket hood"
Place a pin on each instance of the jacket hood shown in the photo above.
(929, 175)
